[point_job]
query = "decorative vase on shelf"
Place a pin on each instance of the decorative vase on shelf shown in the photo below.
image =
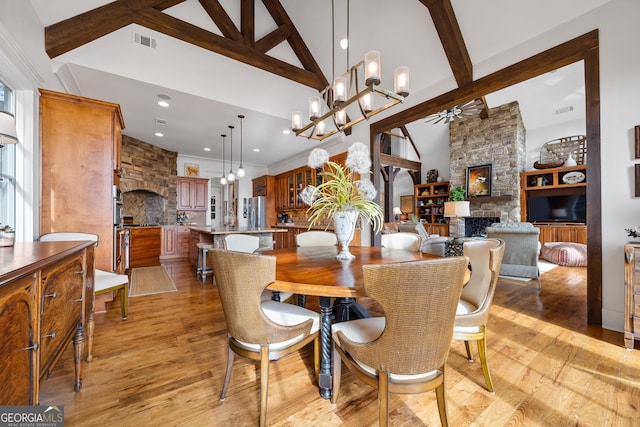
(570, 161)
(344, 223)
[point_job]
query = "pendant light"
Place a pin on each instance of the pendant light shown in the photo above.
(241, 171)
(223, 180)
(230, 176)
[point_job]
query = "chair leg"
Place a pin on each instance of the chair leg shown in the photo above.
(227, 376)
(482, 352)
(337, 374)
(302, 300)
(203, 267)
(442, 404)
(467, 346)
(124, 301)
(264, 383)
(383, 399)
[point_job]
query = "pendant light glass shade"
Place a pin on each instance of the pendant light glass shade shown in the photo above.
(223, 180)
(241, 172)
(339, 90)
(372, 68)
(401, 81)
(296, 121)
(315, 107)
(230, 176)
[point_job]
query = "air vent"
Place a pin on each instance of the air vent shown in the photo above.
(161, 122)
(563, 110)
(144, 40)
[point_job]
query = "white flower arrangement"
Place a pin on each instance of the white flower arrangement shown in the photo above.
(339, 190)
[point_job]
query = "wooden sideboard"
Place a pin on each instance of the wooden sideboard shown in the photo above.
(46, 302)
(631, 293)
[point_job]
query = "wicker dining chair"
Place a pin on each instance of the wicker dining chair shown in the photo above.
(257, 329)
(485, 257)
(406, 351)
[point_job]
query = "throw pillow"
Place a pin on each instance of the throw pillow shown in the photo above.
(565, 253)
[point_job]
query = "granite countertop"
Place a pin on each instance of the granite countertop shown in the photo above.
(234, 230)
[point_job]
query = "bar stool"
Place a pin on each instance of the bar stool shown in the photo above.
(202, 270)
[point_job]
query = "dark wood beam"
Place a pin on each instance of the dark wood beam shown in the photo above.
(247, 19)
(407, 135)
(79, 30)
(446, 23)
(222, 20)
(273, 39)
(399, 162)
(298, 45)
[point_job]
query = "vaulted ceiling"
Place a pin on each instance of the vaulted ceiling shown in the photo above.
(217, 59)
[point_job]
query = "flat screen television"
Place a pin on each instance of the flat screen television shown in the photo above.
(557, 208)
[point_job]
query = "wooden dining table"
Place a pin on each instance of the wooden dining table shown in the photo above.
(315, 271)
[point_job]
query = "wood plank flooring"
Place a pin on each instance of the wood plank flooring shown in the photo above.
(165, 366)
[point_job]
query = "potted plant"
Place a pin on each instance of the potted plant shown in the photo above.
(457, 194)
(342, 198)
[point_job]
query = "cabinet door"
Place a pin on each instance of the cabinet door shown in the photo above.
(62, 292)
(182, 241)
(566, 234)
(184, 194)
(581, 234)
(200, 191)
(168, 240)
(18, 326)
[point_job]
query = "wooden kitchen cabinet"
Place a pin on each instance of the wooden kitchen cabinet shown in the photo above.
(81, 146)
(576, 233)
(46, 302)
(145, 244)
(266, 186)
(193, 194)
(175, 242)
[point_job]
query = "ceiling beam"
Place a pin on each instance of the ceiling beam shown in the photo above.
(446, 23)
(235, 44)
(549, 60)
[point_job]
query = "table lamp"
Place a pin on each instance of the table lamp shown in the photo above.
(456, 211)
(397, 212)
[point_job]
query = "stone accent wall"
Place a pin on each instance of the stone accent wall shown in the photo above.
(500, 141)
(148, 182)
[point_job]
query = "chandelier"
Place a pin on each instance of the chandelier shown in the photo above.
(356, 88)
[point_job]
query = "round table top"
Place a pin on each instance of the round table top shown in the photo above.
(315, 270)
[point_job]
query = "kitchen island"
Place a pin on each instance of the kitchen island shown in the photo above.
(215, 235)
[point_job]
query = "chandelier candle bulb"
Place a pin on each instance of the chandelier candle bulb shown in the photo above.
(372, 68)
(401, 81)
(296, 121)
(341, 118)
(320, 129)
(339, 90)
(314, 107)
(367, 103)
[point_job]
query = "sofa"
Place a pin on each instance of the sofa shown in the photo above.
(522, 248)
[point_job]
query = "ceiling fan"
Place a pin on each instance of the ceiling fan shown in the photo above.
(471, 108)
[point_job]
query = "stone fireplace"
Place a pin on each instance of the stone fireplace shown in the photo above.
(148, 182)
(499, 141)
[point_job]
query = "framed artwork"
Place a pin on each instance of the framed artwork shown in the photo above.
(191, 169)
(406, 204)
(478, 180)
(637, 135)
(637, 180)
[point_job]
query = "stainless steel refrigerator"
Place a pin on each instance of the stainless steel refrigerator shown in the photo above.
(257, 212)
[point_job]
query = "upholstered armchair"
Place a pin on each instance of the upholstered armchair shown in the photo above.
(431, 244)
(522, 248)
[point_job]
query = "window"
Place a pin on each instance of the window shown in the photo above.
(7, 167)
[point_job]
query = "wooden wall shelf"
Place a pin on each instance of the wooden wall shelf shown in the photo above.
(490, 199)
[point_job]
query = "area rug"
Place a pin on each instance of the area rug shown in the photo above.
(150, 281)
(543, 266)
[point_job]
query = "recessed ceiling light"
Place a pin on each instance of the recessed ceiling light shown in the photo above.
(163, 100)
(207, 149)
(286, 131)
(159, 134)
(256, 150)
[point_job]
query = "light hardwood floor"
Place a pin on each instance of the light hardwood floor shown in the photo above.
(165, 366)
